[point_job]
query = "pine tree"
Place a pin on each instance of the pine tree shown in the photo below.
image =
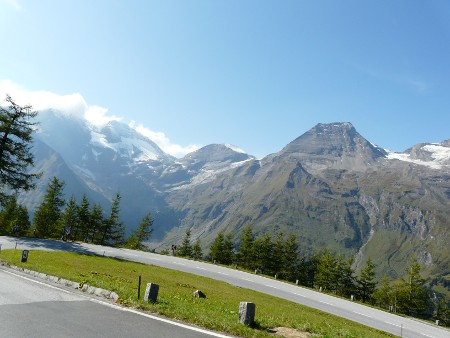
(113, 230)
(366, 282)
(185, 249)
(263, 253)
(326, 275)
(81, 231)
(16, 128)
(344, 276)
(197, 253)
(96, 221)
(246, 257)
(48, 214)
(141, 234)
(278, 255)
(216, 252)
(228, 249)
(14, 219)
(69, 218)
(291, 259)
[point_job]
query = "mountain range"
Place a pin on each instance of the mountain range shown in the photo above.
(330, 186)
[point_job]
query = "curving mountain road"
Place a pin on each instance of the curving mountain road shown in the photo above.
(30, 308)
(381, 320)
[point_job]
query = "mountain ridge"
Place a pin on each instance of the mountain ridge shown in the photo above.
(330, 186)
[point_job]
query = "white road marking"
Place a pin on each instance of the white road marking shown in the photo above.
(362, 314)
(248, 280)
(321, 301)
(178, 263)
(164, 320)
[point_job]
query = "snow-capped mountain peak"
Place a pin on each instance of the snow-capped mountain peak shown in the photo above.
(432, 155)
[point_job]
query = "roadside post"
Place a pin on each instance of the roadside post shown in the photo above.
(24, 256)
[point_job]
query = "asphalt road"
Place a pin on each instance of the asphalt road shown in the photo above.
(381, 320)
(31, 308)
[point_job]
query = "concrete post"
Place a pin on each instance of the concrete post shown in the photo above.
(151, 292)
(296, 282)
(247, 312)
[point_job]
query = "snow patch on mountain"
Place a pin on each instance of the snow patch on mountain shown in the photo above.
(234, 148)
(434, 155)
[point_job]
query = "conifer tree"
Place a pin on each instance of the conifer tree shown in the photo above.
(141, 234)
(228, 250)
(48, 214)
(366, 282)
(69, 218)
(113, 230)
(263, 253)
(185, 249)
(16, 128)
(416, 294)
(81, 231)
(291, 259)
(217, 249)
(326, 275)
(96, 221)
(246, 254)
(383, 294)
(14, 219)
(197, 253)
(278, 255)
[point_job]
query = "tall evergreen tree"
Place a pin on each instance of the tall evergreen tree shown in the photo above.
(81, 231)
(14, 219)
(185, 249)
(197, 252)
(291, 260)
(325, 275)
(416, 293)
(216, 252)
(141, 234)
(113, 231)
(96, 221)
(228, 249)
(48, 214)
(16, 128)
(263, 253)
(278, 255)
(344, 276)
(246, 254)
(366, 282)
(69, 218)
(383, 294)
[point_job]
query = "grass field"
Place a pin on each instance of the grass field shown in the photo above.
(219, 311)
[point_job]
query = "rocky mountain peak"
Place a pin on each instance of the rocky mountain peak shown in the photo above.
(335, 145)
(216, 153)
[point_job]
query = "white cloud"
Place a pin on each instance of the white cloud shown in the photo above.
(14, 4)
(75, 105)
(71, 104)
(163, 141)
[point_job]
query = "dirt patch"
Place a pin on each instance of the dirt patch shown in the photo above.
(287, 332)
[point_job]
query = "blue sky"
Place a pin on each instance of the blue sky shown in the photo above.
(256, 74)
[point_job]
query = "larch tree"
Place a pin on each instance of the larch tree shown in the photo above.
(16, 128)
(141, 234)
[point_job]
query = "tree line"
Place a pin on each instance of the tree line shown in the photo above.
(280, 257)
(68, 220)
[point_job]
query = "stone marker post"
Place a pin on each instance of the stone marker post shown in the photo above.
(247, 312)
(151, 292)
